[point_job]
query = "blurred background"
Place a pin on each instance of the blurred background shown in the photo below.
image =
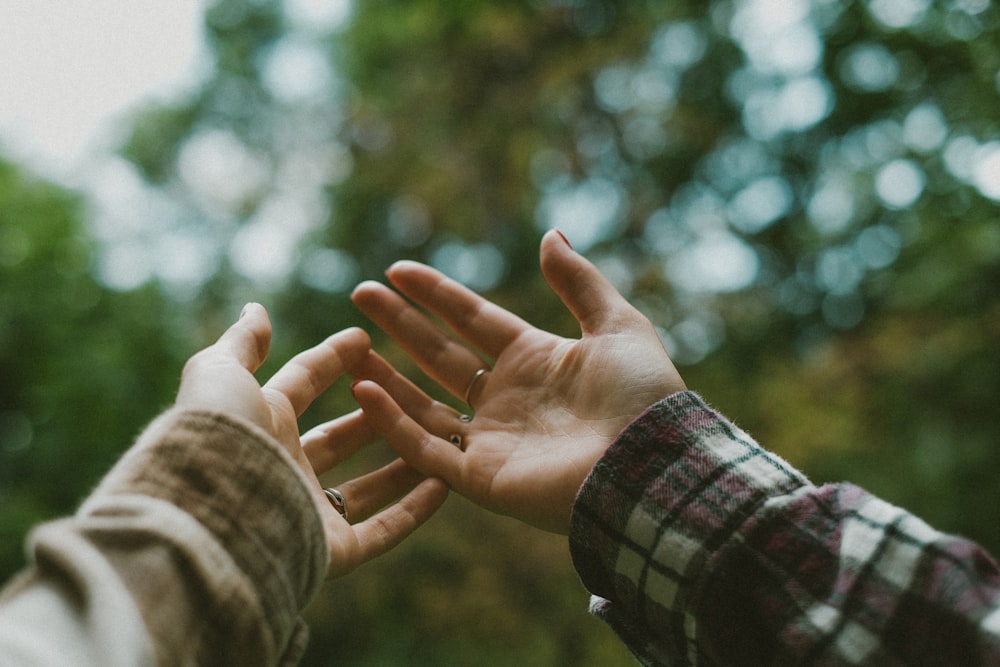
(801, 194)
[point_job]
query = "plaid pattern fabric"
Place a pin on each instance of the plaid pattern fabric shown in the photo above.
(700, 547)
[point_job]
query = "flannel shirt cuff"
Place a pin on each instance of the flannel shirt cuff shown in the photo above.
(673, 488)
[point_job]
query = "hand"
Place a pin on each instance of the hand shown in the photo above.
(220, 378)
(547, 409)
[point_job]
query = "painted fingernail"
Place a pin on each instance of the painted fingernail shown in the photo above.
(565, 240)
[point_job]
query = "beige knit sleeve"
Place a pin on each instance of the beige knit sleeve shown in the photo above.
(204, 531)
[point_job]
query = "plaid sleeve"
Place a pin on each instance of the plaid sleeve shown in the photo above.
(700, 547)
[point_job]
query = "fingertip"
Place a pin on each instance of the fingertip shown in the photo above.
(406, 273)
(253, 312)
(433, 487)
(553, 248)
(364, 391)
(593, 300)
(437, 491)
(557, 258)
(358, 336)
(373, 299)
(398, 268)
(351, 345)
(403, 265)
(364, 289)
(554, 235)
(255, 320)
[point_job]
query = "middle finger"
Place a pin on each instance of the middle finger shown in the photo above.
(479, 321)
(443, 359)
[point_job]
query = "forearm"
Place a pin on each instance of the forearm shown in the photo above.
(198, 566)
(703, 544)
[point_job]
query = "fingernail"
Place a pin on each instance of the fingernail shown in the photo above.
(565, 240)
(355, 384)
(245, 309)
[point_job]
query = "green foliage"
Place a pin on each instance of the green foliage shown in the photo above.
(802, 195)
(447, 597)
(83, 368)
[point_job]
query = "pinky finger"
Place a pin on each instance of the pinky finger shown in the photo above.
(382, 532)
(373, 491)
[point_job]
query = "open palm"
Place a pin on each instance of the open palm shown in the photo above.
(386, 504)
(545, 411)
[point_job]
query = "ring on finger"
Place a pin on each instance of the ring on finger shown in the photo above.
(472, 383)
(337, 500)
(458, 439)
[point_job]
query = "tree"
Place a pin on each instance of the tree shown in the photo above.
(800, 193)
(83, 367)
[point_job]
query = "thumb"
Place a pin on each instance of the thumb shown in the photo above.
(594, 302)
(249, 338)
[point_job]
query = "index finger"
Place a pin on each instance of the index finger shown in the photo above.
(310, 373)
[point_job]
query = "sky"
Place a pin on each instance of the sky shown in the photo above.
(70, 69)
(72, 72)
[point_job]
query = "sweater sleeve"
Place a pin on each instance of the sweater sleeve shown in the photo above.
(700, 547)
(200, 546)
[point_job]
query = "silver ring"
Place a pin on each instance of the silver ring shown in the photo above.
(472, 383)
(337, 500)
